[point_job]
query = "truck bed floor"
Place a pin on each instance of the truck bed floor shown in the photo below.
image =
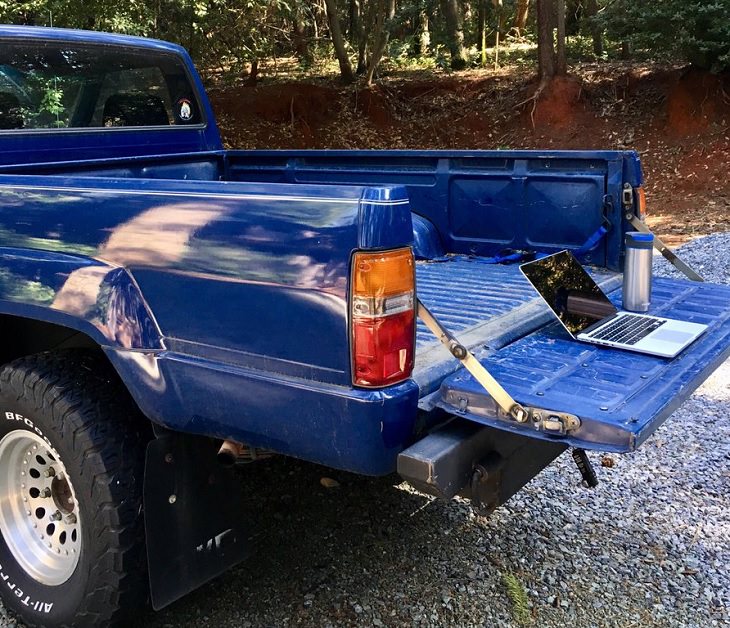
(486, 306)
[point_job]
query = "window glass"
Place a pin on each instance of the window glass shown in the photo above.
(52, 85)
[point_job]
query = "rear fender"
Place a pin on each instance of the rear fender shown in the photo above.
(94, 298)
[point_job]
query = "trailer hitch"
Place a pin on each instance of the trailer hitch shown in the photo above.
(484, 487)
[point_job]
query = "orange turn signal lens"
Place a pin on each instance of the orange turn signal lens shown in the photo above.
(640, 203)
(383, 274)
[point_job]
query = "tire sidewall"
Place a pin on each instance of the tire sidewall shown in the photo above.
(35, 602)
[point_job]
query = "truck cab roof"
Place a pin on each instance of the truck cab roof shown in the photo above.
(91, 37)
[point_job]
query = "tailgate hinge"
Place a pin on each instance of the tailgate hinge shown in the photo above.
(548, 421)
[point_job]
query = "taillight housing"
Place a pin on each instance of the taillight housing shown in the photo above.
(383, 317)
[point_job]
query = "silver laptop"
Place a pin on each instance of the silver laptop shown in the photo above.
(588, 315)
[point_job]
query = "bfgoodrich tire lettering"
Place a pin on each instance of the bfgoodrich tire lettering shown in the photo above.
(84, 425)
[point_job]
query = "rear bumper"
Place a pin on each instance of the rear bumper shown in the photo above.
(443, 463)
(351, 429)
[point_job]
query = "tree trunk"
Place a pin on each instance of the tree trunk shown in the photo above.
(596, 32)
(368, 15)
(626, 49)
(423, 42)
(545, 49)
(354, 19)
(385, 23)
(500, 14)
(497, 4)
(523, 10)
(561, 61)
(253, 75)
(362, 49)
(300, 41)
(482, 31)
(357, 33)
(455, 33)
(338, 42)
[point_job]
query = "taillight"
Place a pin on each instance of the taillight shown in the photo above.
(383, 317)
(640, 203)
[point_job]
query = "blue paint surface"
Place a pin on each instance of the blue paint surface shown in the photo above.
(217, 281)
(480, 202)
(358, 430)
(462, 293)
(621, 397)
(255, 272)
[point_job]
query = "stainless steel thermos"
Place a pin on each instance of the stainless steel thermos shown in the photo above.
(637, 271)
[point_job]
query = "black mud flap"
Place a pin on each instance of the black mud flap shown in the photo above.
(619, 397)
(194, 518)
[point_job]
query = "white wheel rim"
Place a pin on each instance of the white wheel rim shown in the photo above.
(39, 516)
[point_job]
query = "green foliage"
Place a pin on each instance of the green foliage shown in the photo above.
(697, 30)
(402, 57)
(518, 597)
(229, 35)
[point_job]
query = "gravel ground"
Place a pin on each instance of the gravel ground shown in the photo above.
(649, 547)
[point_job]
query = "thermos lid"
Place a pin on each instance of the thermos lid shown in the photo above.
(639, 239)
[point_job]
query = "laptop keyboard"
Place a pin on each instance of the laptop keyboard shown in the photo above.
(627, 329)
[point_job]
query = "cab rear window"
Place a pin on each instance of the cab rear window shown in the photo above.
(57, 85)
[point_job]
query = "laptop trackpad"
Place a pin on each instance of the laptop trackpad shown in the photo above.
(670, 335)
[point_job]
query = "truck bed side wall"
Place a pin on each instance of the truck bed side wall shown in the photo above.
(480, 202)
(475, 202)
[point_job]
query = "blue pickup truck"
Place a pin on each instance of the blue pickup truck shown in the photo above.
(172, 310)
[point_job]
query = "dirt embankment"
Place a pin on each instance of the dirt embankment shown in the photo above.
(677, 118)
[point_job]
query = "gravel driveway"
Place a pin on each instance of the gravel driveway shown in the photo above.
(649, 547)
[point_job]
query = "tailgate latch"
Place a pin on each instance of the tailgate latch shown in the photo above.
(552, 422)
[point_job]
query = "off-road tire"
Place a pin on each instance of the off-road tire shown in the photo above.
(78, 406)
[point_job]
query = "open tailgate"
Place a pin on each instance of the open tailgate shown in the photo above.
(620, 397)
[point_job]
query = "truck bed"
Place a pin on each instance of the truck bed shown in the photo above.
(486, 306)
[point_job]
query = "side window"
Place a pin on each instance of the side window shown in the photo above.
(11, 115)
(136, 97)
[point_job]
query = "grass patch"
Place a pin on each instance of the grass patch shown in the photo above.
(518, 597)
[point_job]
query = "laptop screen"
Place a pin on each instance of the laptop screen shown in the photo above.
(570, 292)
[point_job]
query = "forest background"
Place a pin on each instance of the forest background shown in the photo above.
(649, 75)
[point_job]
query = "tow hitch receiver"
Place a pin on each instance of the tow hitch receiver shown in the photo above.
(485, 482)
(484, 464)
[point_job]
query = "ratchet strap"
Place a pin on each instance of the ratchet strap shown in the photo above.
(543, 420)
(664, 250)
(482, 375)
